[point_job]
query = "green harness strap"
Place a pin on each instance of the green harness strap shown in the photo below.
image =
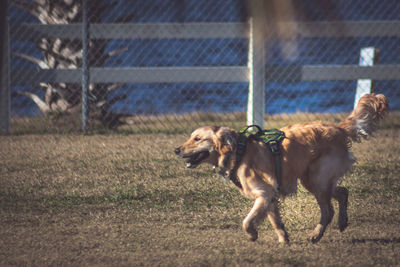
(271, 137)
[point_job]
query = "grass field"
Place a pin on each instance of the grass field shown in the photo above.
(119, 200)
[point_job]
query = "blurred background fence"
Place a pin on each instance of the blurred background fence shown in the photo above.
(172, 65)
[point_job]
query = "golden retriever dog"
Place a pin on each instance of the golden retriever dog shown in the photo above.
(315, 153)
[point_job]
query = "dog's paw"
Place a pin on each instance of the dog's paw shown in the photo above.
(251, 231)
(343, 223)
(284, 239)
(314, 238)
(253, 236)
(343, 226)
(316, 235)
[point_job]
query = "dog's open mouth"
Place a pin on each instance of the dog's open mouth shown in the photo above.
(196, 158)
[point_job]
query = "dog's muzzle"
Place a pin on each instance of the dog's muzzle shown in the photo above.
(193, 158)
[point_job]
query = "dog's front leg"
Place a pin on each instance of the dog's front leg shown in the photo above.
(256, 215)
(275, 219)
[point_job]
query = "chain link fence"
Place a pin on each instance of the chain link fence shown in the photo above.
(172, 65)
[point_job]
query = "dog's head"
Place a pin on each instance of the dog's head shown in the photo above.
(208, 144)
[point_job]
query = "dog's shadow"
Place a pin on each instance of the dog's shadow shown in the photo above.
(393, 240)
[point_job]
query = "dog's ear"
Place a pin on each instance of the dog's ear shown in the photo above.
(225, 140)
(229, 143)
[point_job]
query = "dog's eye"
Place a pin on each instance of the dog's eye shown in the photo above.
(197, 139)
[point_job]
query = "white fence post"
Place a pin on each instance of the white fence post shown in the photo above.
(256, 65)
(368, 57)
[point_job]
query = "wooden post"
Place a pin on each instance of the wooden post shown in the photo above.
(368, 57)
(4, 70)
(256, 65)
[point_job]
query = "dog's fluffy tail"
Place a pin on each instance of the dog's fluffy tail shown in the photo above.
(365, 117)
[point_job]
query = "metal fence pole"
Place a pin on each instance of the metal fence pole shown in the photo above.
(85, 66)
(4, 70)
(256, 65)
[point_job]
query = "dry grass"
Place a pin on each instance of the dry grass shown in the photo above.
(169, 123)
(127, 200)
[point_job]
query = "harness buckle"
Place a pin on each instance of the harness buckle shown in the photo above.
(274, 146)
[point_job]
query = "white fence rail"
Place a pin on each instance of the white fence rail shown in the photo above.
(201, 74)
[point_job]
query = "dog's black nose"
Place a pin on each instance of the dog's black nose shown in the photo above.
(177, 151)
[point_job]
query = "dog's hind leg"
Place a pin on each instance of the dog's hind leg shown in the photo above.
(321, 180)
(341, 194)
(323, 195)
(275, 219)
(255, 216)
(327, 212)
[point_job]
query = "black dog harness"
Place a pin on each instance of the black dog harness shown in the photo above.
(273, 138)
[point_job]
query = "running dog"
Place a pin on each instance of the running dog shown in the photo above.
(316, 153)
